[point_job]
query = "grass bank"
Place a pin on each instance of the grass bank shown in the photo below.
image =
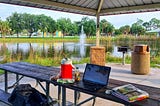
(45, 39)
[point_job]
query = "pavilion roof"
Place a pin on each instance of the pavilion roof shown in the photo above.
(91, 7)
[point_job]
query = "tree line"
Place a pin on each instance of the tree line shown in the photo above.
(18, 23)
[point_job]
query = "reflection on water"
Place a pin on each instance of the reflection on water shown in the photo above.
(23, 51)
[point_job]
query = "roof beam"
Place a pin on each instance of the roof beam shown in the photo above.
(100, 6)
(131, 8)
(62, 5)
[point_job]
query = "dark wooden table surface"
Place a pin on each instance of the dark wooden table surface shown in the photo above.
(44, 73)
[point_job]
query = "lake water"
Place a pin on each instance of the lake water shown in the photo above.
(72, 50)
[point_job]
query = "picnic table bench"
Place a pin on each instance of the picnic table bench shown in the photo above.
(43, 73)
(4, 97)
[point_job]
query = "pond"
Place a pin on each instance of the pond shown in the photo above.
(73, 50)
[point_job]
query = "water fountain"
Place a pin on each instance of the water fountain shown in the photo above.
(82, 42)
(82, 36)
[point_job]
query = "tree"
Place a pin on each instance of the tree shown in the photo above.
(125, 29)
(30, 23)
(137, 29)
(74, 29)
(64, 25)
(147, 26)
(103, 25)
(15, 23)
(106, 27)
(109, 29)
(4, 28)
(43, 23)
(155, 23)
(117, 32)
(89, 26)
(139, 22)
(51, 25)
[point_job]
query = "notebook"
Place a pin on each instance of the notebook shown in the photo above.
(94, 78)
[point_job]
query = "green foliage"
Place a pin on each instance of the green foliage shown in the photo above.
(39, 39)
(64, 25)
(103, 24)
(16, 23)
(89, 26)
(125, 29)
(45, 61)
(113, 59)
(84, 60)
(137, 29)
(1, 72)
(155, 61)
(32, 23)
(106, 27)
(117, 32)
(4, 28)
(154, 23)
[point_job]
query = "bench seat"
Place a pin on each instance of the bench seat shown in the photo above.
(4, 97)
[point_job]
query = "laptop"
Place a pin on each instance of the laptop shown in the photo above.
(94, 78)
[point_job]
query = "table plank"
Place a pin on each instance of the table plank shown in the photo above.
(31, 70)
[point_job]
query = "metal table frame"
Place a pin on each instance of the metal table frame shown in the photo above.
(20, 76)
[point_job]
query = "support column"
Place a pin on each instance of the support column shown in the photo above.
(97, 31)
(97, 53)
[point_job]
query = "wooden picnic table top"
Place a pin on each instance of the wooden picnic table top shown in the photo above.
(44, 73)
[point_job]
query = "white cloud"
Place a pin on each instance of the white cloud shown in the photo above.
(129, 19)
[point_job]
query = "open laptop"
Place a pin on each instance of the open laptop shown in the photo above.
(94, 78)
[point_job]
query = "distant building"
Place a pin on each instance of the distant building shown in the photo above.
(58, 33)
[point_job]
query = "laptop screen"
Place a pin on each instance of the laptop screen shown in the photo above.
(96, 74)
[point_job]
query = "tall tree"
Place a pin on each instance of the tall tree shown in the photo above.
(15, 23)
(125, 29)
(51, 25)
(30, 23)
(4, 28)
(117, 32)
(43, 22)
(103, 25)
(106, 27)
(110, 29)
(137, 29)
(147, 26)
(89, 26)
(155, 23)
(64, 25)
(73, 29)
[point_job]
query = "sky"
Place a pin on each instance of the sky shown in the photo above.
(6, 10)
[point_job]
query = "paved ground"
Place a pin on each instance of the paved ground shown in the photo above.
(120, 72)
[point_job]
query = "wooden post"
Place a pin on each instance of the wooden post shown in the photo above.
(97, 31)
(97, 53)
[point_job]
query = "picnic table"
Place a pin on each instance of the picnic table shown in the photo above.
(43, 74)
